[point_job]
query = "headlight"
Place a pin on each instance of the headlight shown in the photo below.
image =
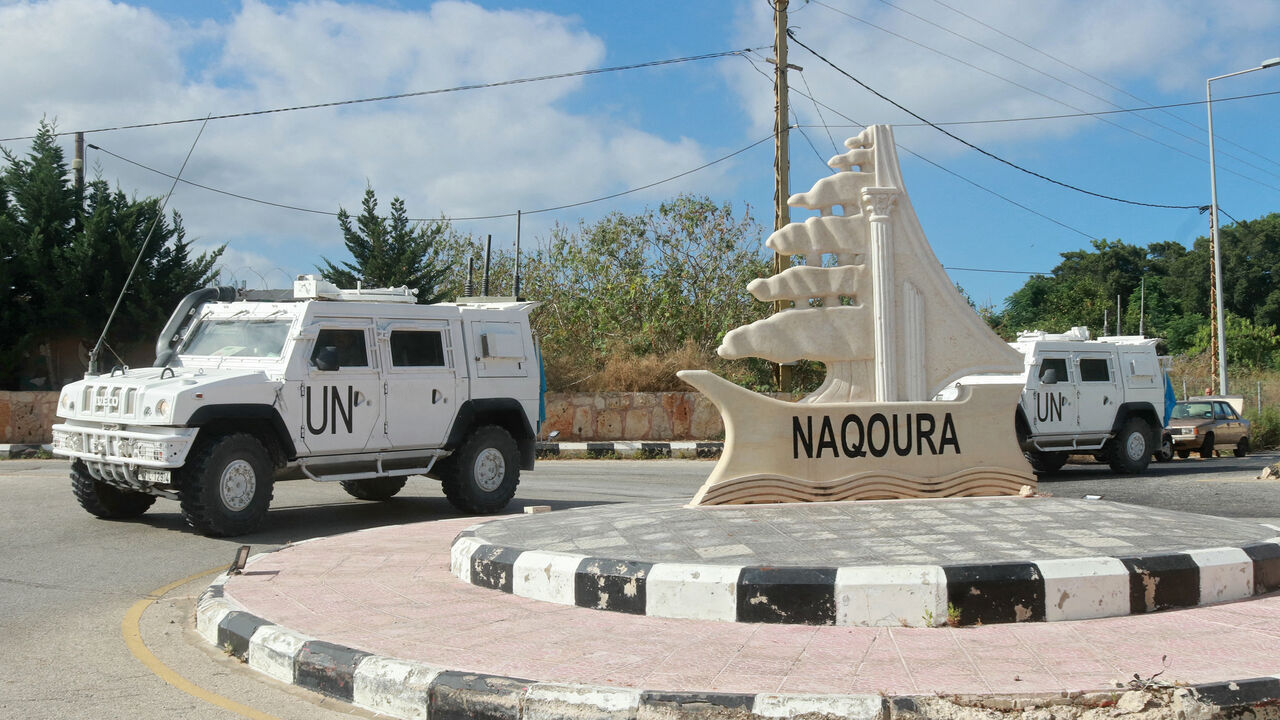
(67, 402)
(67, 441)
(162, 408)
(149, 449)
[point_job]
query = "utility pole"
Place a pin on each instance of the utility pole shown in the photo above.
(781, 158)
(1214, 367)
(77, 166)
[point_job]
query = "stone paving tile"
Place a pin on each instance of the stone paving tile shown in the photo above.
(430, 616)
(958, 530)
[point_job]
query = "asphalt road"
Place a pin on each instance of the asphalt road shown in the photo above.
(76, 591)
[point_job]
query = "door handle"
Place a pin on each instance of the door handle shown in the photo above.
(436, 396)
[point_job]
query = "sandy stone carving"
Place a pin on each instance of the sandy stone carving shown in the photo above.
(874, 305)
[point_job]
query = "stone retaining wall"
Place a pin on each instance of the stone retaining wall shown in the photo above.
(661, 416)
(26, 417)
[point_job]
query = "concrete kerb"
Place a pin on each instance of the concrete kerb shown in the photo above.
(630, 449)
(916, 595)
(417, 691)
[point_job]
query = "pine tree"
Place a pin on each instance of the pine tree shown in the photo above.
(390, 251)
(59, 278)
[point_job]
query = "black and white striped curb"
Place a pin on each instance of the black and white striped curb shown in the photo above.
(885, 595)
(630, 449)
(406, 689)
(418, 691)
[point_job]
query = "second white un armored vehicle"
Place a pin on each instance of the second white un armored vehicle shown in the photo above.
(361, 387)
(1104, 397)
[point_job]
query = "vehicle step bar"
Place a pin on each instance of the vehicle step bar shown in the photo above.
(379, 472)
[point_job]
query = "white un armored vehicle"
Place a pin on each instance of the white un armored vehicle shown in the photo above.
(361, 387)
(1103, 397)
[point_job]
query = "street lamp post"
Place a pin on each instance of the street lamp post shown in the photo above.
(1213, 224)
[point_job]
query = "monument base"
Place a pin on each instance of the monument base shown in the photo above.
(777, 451)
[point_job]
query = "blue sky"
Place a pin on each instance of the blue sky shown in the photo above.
(93, 63)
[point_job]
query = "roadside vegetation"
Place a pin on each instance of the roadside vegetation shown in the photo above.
(626, 301)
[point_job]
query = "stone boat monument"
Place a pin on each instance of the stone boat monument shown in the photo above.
(892, 331)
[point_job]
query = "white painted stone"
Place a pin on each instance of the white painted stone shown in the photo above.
(694, 592)
(551, 701)
(891, 595)
(546, 576)
(272, 650)
(850, 707)
(1226, 574)
(1083, 588)
(398, 688)
(460, 557)
(209, 614)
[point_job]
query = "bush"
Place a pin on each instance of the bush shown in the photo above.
(1265, 427)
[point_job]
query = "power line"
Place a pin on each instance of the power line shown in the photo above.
(991, 155)
(1090, 76)
(1031, 90)
(400, 96)
(442, 218)
(958, 176)
(1051, 76)
(1007, 272)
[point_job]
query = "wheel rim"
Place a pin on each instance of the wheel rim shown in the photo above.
(1136, 446)
(237, 485)
(490, 469)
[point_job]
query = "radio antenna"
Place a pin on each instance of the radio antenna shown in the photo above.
(102, 339)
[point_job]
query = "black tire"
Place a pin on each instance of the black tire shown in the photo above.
(484, 472)
(1129, 451)
(1046, 463)
(1164, 453)
(1206, 450)
(106, 501)
(226, 488)
(383, 488)
(1184, 454)
(1242, 448)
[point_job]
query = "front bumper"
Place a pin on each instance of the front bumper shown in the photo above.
(136, 457)
(1186, 441)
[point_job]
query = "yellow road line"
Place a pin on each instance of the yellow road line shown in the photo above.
(129, 627)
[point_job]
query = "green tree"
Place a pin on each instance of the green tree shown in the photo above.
(661, 284)
(1251, 345)
(65, 262)
(390, 251)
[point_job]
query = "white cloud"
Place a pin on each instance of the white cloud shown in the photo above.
(469, 153)
(1170, 45)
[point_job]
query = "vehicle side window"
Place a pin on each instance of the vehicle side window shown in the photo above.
(1221, 411)
(413, 348)
(1094, 370)
(1057, 364)
(352, 350)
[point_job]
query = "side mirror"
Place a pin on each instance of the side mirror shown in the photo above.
(1050, 377)
(327, 359)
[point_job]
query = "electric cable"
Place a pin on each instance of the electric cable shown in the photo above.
(1031, 90)
(1093, 77)
(1073, 86)
(970, 145)
(958, 176)
(442, 218)
(400, 96)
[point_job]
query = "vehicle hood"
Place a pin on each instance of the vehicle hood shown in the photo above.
(162, 396)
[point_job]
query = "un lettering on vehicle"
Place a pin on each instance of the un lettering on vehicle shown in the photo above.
(334, 410)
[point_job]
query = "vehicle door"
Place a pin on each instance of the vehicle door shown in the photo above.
(1051, 399)
(419, 382)
(341, 389)
(1228, 429)
(1099, 393)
